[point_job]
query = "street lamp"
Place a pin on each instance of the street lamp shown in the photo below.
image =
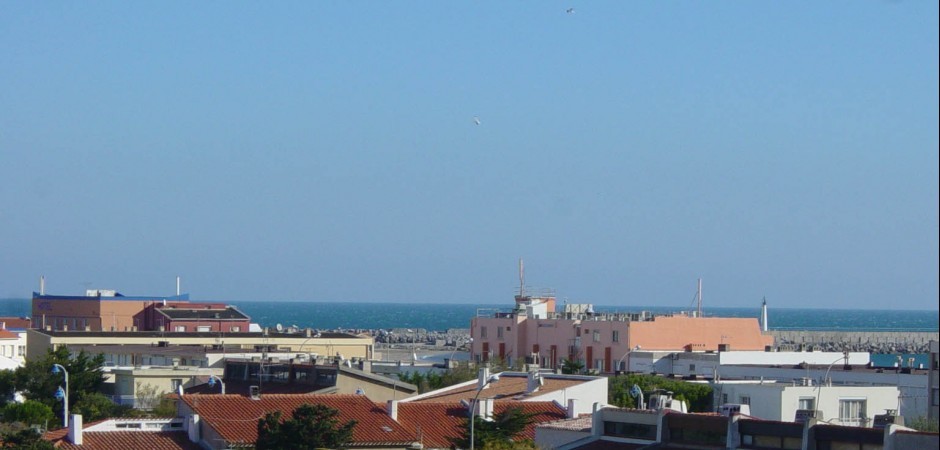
(457, 345)
(845, 356)
(627, 369)
(63, 394)
(473, 405)
(213, 379)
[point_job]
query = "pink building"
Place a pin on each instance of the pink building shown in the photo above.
(602, 342)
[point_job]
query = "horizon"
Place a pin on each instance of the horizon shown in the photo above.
(369, 150)
(677, 308)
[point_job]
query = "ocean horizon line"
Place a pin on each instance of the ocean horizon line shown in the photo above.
(507, 305)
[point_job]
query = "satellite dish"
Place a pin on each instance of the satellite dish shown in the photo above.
(279, 328)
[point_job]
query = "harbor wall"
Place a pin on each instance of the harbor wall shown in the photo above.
(870, 341)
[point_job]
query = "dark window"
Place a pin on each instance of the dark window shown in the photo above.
(630, 430)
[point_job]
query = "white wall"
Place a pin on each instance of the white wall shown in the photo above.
(779, 401)
(587, 393)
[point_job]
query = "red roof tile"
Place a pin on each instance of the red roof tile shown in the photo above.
(6, 334)
(110, 440)
(437, 423)
(16, 322)
(235, 417)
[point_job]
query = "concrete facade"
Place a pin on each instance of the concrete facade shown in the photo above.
(602, 342)
(780, 401)
(97, 312)
(346, 345)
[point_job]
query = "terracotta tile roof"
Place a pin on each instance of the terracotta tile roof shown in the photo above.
(16, 322)
(6, 334)
(235, 417)
(436, 423)
(509, 386)
(110, 440)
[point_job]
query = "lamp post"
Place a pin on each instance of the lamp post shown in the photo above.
(627, 369)
(63, 394)
(213, 379)
(845, 356)
(457, 345)
(473, 405)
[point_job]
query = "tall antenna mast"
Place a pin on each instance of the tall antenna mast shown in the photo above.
(42, 285)
(699, 295)
(521, 278)
(177, 286)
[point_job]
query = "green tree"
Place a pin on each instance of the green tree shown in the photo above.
(311, 427)
(96, 406)
(496, 433)
(697, 396)
(29, 412)
(436, 380)
(571, 366)
(924, 424)
(22, 438)
(7, 386)
(37, 382)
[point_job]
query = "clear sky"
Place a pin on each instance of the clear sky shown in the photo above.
(330, 151)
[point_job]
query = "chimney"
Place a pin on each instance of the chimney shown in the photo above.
(192, 427)
(365, 365)
(392, 409)
(484, 408)
(534, 382)
(572, 412)
(484, 375)
(75, 430)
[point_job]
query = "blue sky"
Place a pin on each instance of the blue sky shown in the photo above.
(328, 151)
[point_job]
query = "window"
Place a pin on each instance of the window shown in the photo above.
(807, 403)
(597, 336)
(630, 430)
(724, 399)
(180, 328)
(176, 383)
(482, 332)
(599, 365)
(852, 410)
(235, 328)
(691, 368)
(203, 328)
(21, 350)
(745, 400)
(616, 336)
(499, 333)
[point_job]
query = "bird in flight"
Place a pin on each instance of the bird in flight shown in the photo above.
(570, 10)
(476, 120)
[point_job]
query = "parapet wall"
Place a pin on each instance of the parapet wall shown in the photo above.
(872, 341)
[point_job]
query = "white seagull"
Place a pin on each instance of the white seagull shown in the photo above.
(476, 120)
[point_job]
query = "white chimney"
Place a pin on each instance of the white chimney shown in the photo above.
(533, 382)
(572, 412)
(75, 431)
(392, 409)
(192, 427)
(484, 408)
(484, 376)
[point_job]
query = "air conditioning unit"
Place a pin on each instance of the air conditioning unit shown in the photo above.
(803, 415)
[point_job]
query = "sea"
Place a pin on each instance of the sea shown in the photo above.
(355, 316)
(352, 315)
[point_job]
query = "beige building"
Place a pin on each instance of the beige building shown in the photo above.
(306, 342)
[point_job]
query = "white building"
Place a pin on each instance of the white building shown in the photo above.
(837, 405)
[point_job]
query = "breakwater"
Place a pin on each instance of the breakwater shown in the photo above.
(856, 341)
